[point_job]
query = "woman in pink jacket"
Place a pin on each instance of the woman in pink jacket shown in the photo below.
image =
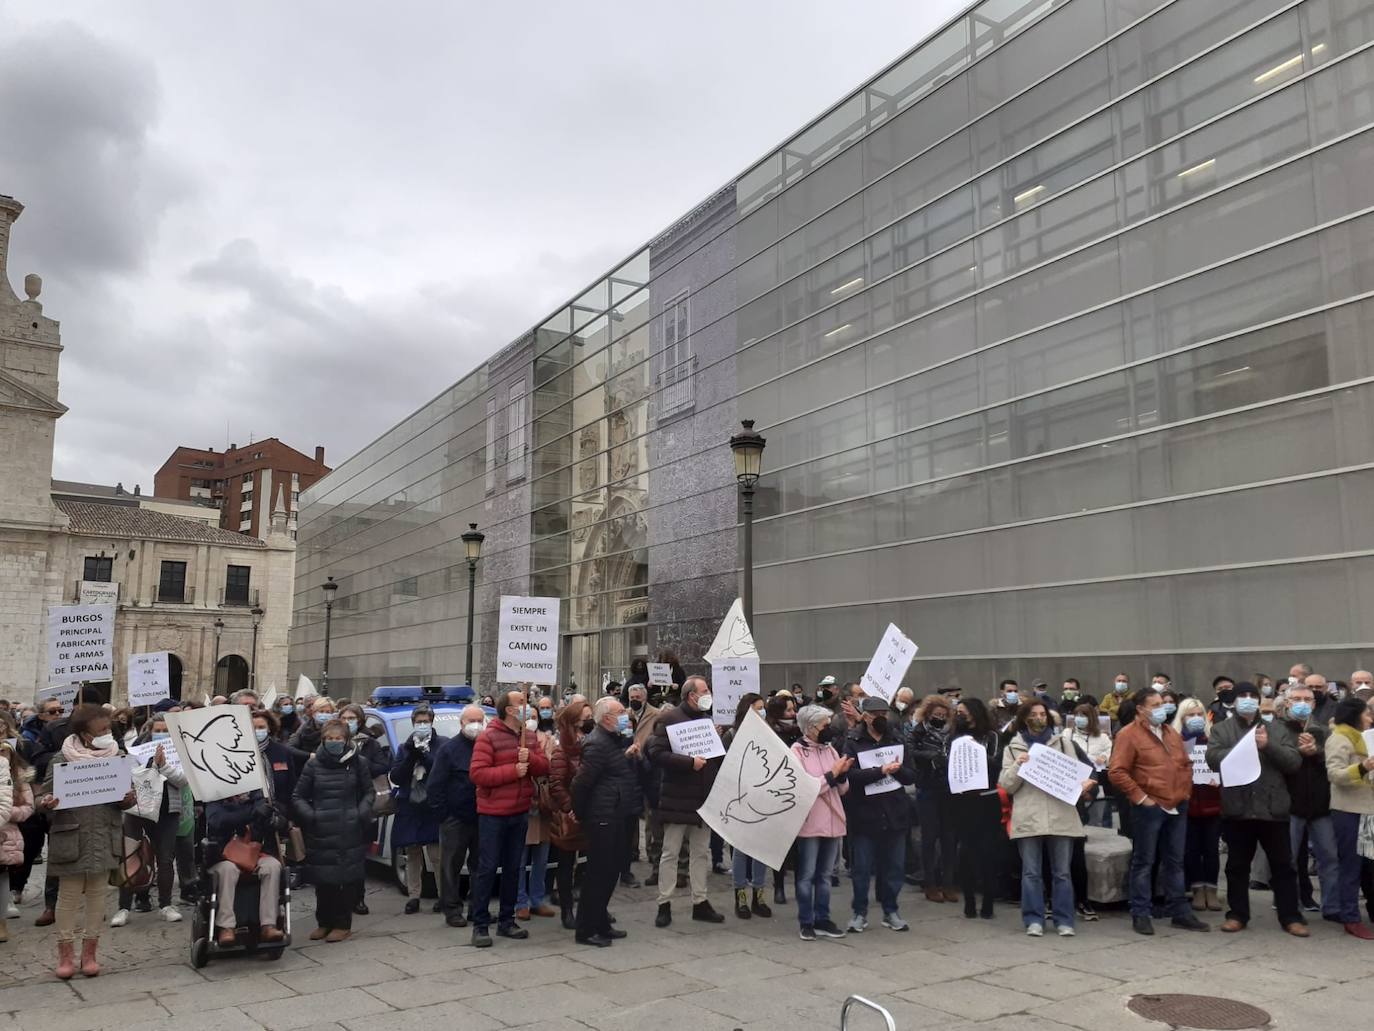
(818, 842)
(16, 806)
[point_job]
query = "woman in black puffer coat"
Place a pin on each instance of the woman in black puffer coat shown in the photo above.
(333, 805)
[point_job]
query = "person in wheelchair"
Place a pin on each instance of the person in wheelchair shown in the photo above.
(233, 827)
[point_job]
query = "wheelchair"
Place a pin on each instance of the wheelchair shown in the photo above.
(204, 939)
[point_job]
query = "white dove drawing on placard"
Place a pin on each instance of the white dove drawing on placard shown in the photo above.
(762, 789)
(215, 750)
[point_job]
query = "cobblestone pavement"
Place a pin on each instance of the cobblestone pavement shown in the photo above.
(411, 972)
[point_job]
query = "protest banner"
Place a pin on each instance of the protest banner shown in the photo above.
(91, 782)
(148, 678)
(527, 641)
(1202, 773)
(968, 765)
(219, 753)
(305, 687)
(889, 664)
(64, 693)
(270, 698)
(697, 738)
(1242, 764)
(761, 795)
(143, 753)
(1055, 773)
(98, 592)
(875, 757)
(731, 680)
(80, 643)
(734, 639)
(660, 674)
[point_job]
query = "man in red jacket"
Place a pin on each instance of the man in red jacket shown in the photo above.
(501, 770)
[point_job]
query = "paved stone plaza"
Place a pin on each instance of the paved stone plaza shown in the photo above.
(411, 972)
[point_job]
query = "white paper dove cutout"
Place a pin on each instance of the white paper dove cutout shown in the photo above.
(218, 752)
(734, 639)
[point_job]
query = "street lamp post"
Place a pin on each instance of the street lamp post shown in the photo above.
(748, 448)
(257, 612)
(214, 670)
(472, 543)
(330, 589)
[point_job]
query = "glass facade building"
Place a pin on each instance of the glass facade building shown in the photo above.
(1061, 332)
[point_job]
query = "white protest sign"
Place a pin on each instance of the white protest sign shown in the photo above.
(731, 680)
(876, 757)
(1242, 764)
(1202, 773)
(219, 753)
(889, 664)
(64, 693)
(660, 674)
(98, 592)
(143, 753)
(305, 688)
(695, 738)
(968, 765)
(91, 782)
(761, 796)
(80, 643)
(148, 678)
(734, 639)
(1055, 773)
(270, 698)
(527, 641)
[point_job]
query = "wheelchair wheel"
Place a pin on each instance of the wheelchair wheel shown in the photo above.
(200, 952)
(274, 954)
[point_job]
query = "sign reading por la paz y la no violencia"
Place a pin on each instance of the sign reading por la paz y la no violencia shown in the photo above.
(731, 680)
(889, 664)
(80, 643)
(148, 678)
(527, 641)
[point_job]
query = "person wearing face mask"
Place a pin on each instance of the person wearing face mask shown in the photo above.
(333, 806)
(284, 764)
(574, 722)
(1152, 768)
(1351, 771)
(453, 798)
(1224, 688)
(285, 711)
(307, 736)
(747, 872)
(1309, 813)
(978, 812)
(85, 844)
(1006, 703)
(161, 831)
(1117, 692)
(605, 793)
(534, 870)
(929, 744)
(1256, 814)
(1069, 696)
(415, 826)
(239, 816)
(1084, 732)
(369, 745)
(685, 781)
(643, 714)
(1202, 840)
(505, 761)
(878, 821)
(820, 837)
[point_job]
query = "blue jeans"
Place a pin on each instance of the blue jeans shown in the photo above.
(1346, 831)
(880, 857)
(748, 872)
(816, 857)
(532, 883)
(1033, 879)
(500, 843)
(1321, 839)
(1155, 833)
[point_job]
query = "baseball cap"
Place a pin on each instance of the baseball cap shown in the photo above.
(826, 681)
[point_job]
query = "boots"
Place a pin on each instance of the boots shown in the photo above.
(1199, 898)
(760, 909)
(742, 909)
(569, 919)
(66, 960)
(1213, 903)
(89, 967)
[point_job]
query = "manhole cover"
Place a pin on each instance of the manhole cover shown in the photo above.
(1201, 1011)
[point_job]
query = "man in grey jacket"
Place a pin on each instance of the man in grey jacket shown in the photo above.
(1256, 814)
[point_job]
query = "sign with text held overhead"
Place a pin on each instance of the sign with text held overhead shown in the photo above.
(527, 641)
(80, 643)
(660, 674)
(889, 664)
(731, 680)
(148, 678)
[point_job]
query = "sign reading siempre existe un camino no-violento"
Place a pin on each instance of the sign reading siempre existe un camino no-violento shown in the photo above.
(527, 641)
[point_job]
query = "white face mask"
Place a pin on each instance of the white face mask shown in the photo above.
(704, 703)
(103, 741)
(1292, 681)
(531, 725)
(471, 730)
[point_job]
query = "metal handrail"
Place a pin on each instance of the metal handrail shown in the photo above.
(867, 1004)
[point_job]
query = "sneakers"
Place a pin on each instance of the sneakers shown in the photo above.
(828, 929)
(808, 933)
(142, 905)
(1066, 931)
(120, 918)
(1086, 912)
(171, 914)
(11, 911)
(858, 924)
(894, 922)
(702, 911)
(1035, 930)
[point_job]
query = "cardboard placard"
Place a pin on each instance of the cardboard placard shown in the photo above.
(731, 680)
(91, 782)
(875, 757)
(148, 678)
(697, 738)
(660, 674)
(889, 664)
(527, 641)
(1055, 773)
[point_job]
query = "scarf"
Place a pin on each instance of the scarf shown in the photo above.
(1352, 735)
(73, 750)
(1042, 738)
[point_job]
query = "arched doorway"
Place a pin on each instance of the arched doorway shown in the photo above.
(231, 675)
(173, 677)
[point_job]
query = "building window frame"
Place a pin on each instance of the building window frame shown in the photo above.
(171, 582)
(676, 381)
(237, 581)
(491, 444)
(98, 569)
(517, 440)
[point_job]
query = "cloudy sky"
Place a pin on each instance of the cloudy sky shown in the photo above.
(305, 219)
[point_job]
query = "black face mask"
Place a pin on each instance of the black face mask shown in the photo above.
(587, 726)
(1227, 696)
(937, 722)
(880, 724)
(961, 723)
(827, 735)
(636, 704)
(826, 695)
